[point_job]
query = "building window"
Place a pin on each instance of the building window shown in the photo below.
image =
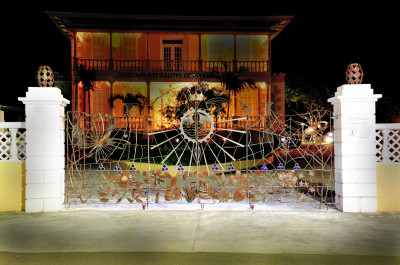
(99, 101)
(130, 46)
(172, 54)
(220, 47)
(99, 46)
(251, 47)
(244, 48)
(246, 97)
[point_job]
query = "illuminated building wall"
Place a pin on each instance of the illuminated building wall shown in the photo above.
(153, 55)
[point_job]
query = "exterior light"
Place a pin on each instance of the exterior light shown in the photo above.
(328, 138)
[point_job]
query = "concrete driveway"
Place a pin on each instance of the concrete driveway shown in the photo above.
(220, 233)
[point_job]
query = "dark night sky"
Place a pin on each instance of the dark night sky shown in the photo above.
(320, 41)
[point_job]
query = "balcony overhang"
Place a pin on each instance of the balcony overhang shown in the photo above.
(68, 22)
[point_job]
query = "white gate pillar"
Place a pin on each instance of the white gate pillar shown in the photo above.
(44, 111)
(355, 151)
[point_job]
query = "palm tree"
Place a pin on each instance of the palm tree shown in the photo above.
(87, 78)
(233, 83)
(129, 101)
(216, 101)
(213, 100)
(185, 101)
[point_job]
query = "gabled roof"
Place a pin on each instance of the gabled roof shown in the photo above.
(69, 22)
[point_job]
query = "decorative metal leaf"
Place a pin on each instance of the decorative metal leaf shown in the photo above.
(233, 180)
(174, 181)
(149, 179)
(169, 196)
(224, 195)
(243, 180)
(176, 190)
(219, 181)
(207, 191)
(239, 195)
(189, 194)
(203, 175)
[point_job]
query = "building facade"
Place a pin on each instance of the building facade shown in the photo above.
(158, 55)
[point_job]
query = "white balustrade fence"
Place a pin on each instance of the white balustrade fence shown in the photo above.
(12, 141)
(388, 143)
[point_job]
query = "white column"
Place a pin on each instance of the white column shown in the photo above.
(44, 110)
(355, 160)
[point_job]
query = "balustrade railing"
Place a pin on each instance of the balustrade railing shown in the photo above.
(253, 66)
(388, 143)
(93, 64)
(130, 123)
(219, 66)
(130, 65)
(174, 66)
(12, 141)
(169, 65)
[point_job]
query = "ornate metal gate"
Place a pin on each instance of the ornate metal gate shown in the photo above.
(192, 152)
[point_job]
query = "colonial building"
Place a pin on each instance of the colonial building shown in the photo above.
(158, 55)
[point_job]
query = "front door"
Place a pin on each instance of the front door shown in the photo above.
(172, 55)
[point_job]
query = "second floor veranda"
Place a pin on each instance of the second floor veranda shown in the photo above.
(186, 66)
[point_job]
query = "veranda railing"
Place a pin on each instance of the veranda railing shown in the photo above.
(169, 65)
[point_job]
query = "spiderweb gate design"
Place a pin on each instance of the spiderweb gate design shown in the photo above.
(194, 156)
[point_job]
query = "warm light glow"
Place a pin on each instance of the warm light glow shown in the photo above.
(81, 36)
(328, 139)
(133, 35)
(85, 36)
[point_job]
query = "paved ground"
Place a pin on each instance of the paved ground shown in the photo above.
(199, 237)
